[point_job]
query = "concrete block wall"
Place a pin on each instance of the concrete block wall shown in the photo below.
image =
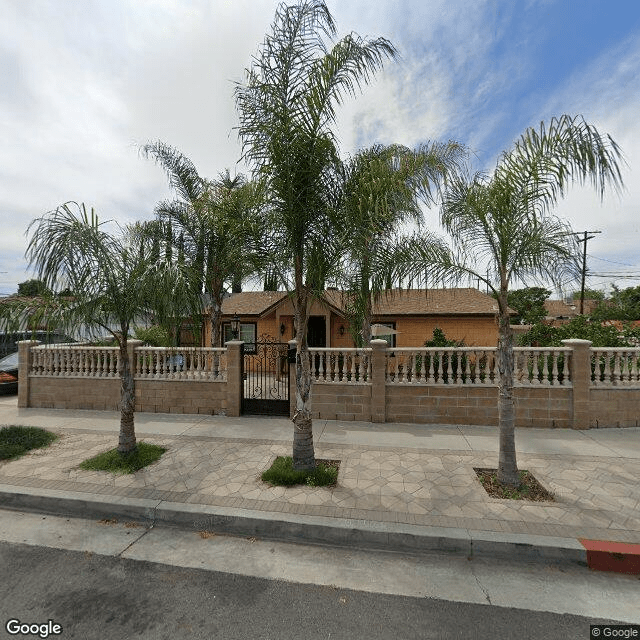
(614, 408)
(341, 401)
(101, 394)
(181, 396)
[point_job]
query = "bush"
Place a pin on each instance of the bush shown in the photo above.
(542, 335)
(154, 336)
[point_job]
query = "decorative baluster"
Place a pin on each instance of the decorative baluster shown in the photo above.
(617, 373)
(554, 371)
(544, 380)
(467, 367)
(430, 377)
(607, 369)
(449, 367)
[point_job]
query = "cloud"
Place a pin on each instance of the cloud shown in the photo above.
(607, 93)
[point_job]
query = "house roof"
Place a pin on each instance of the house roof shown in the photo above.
(251, 303)
(562, 309)
(395, 302)
(445, 302)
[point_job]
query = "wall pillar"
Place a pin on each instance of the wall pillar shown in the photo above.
(132, 345)
(378, 388)
(234, 377)
(581, 381)
(293, 346)
(24, 364)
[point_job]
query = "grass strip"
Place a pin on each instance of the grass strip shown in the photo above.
(116, 462)
(281, 473)
(15, 440)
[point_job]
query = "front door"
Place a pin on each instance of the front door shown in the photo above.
(317, 331)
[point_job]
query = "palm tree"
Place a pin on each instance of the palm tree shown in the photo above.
(505, 222)
(115, 281)
(212, 221)
(383, 187)
(287, 109)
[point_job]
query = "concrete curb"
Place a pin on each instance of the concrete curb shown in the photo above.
(361, 534)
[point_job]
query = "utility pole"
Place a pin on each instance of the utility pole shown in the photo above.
(584, 264)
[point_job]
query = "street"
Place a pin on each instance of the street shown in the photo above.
(100, 593)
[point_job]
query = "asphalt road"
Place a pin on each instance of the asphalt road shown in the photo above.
(95, 596)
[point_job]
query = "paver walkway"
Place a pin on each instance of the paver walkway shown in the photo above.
(411, 474)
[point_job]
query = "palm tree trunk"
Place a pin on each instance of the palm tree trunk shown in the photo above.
(127, 440)
(216, 312)
(507, 467)
(303, 451)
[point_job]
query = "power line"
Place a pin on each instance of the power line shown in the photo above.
(622, 264)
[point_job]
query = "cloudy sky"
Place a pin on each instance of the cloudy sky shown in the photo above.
(85, 83)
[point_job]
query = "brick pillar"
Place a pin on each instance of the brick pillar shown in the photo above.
(234, 377)
(378, 389)
(293, 346)
(24, 364)
(581, 381)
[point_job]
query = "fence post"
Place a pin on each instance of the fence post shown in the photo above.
(24, 365)
(580, 381)
(291, 356)
(378, 388)
(234, 377)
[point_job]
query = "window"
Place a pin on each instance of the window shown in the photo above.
(389, 337)
(247, 335)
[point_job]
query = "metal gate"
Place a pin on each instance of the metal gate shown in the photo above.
(265, 374)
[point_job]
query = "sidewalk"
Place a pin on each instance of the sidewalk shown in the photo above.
(401, 487)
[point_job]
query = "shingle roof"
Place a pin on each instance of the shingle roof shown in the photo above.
(559, 308)
(251, 303)
(463, 301)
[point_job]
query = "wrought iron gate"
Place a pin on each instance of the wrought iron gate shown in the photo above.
(265, 386)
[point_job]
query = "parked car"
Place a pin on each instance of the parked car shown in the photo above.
(9, 374)
(9, 363)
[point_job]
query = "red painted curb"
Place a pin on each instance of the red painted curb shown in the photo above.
(619, 557)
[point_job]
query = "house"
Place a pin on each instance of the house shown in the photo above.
(560, 312)
(464, 314)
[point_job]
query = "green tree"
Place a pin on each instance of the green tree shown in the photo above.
(381, 188)
(542, 335)
(114, 284)
(622, 304)
(33, 288)
(589, 294)
(505, 220)
(287, 106)
(529, 303)
(211, 223)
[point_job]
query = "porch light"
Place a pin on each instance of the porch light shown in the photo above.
(235, 326)
(341, 330)
(282, 328)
